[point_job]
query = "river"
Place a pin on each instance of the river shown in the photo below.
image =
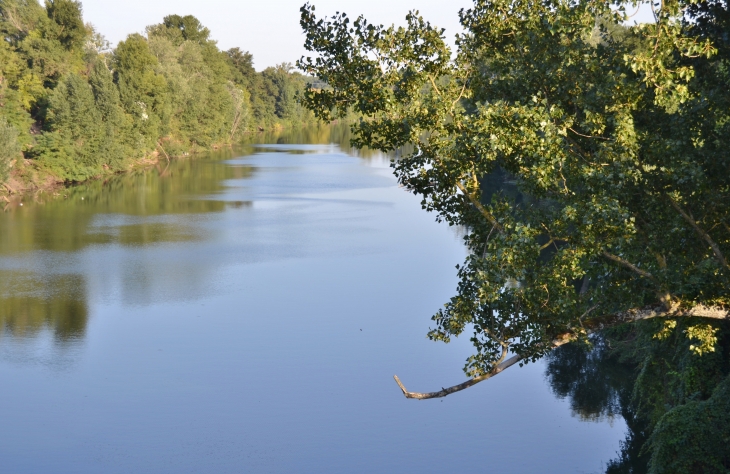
(245, 311)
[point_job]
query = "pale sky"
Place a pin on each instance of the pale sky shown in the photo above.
(269, 29)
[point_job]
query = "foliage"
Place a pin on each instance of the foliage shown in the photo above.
(9, 147)
(614, 138)
(674, 402)
(82, 109)
(694, 437)
(73, 121)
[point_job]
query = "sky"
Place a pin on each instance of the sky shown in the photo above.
(269, 29)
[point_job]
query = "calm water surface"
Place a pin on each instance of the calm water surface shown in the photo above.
(245, 312)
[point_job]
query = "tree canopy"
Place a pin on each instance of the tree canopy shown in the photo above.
(586, 160)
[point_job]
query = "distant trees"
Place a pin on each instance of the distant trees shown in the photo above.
(78, 108)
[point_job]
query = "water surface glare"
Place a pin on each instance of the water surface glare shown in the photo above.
(245, 312)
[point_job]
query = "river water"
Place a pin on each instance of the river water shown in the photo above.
(245, 311)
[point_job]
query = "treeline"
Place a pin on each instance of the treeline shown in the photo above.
(75, 107)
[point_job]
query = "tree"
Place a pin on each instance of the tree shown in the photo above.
(143, 91)
(116, 144)
(75, 132)
(286, 89)
(67, 25)
(189, 27)
(83, 109)
(197, 74)
(589, 168)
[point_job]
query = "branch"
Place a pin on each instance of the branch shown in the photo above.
(588, 136)
(591, 326)
(433, 83)
(705, 236)
(163, 151)
(462, 386)
(457, 388)
(630, 266)
(453, 104)
(492, 220)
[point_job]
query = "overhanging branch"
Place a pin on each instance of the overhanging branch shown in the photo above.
(590, 326)
(457, 388)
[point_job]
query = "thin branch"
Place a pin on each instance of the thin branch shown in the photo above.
(496, 339)
(433, 83)
(464, 385)
(163, 151)
(486, 242)
(630, 266)
(588, 136)
(547, 245)
(453, 104)
(704, 235)
(638, 6)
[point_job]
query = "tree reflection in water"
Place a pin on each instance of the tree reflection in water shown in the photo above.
(600, 387)
(28, 306)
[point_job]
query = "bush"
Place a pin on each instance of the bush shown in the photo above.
(695, 437)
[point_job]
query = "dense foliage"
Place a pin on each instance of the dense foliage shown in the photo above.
(78, 108)
(615, 138)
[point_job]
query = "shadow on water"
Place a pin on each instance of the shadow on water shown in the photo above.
(599, 387)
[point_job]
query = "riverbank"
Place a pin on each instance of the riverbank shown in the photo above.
(28, 178)
(31, 181)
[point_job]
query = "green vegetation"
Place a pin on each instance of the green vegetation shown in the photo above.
(588, 163)
(9, 147)
(675, 403)
(75, 108)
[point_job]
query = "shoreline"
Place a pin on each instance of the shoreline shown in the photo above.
(30, 180)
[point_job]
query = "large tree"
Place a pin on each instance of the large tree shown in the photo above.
(587, 161)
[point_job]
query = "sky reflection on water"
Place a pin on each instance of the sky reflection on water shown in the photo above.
(245, 312)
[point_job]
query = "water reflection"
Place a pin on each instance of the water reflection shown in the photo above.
(138, 209)
(131, 210)
(338, 134)
(30, 304)
(599, 387)
(74, 218)
(243, 311)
